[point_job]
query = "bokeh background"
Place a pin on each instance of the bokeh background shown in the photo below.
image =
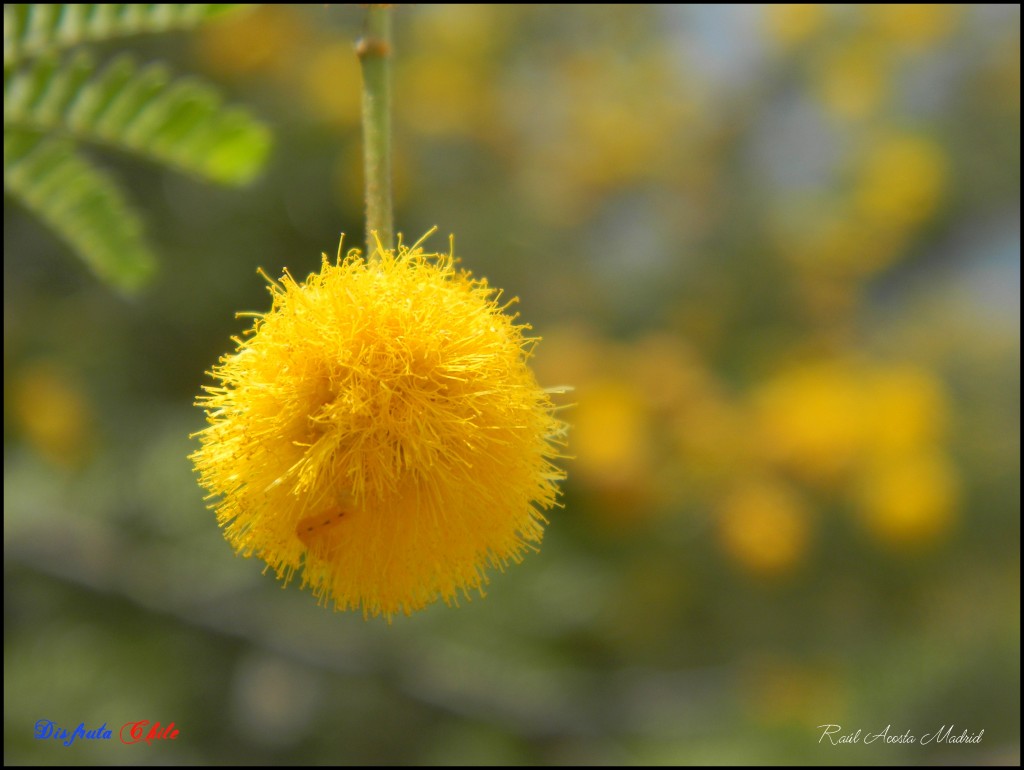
(775, 250)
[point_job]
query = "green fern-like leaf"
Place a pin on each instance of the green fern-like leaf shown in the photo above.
(179, 122)
(81, 203)
(54, 100)
(35, 29)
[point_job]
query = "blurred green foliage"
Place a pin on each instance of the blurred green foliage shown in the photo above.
(52, 102)
(775, 250)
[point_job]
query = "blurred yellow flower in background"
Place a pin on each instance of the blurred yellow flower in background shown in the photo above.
(51, 411)
(764, 527)
(263, 39)
(441, 95)
(811, 419)
(911, 25)
(651, 425)
(839, 250)
(609, 145)
(380, 429)
(909, 409)
(901, 183)
(792, 23)
(447, 86)
(573, 151)
(333, 84)
(868, 430)
(609, 424)
(909, 500)
(613, 452)
(852, 79)
(469, 32)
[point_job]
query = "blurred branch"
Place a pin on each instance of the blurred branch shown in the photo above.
(533, 700)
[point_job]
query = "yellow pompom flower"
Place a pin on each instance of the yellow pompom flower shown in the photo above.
(380, 430)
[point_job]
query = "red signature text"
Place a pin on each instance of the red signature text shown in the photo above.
(144, 732)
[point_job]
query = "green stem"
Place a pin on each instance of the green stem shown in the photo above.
(374, 50)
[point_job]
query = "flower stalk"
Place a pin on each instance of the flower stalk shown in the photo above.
(374, 51)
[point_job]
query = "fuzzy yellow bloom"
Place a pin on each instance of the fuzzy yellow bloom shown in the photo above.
(380, 430)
